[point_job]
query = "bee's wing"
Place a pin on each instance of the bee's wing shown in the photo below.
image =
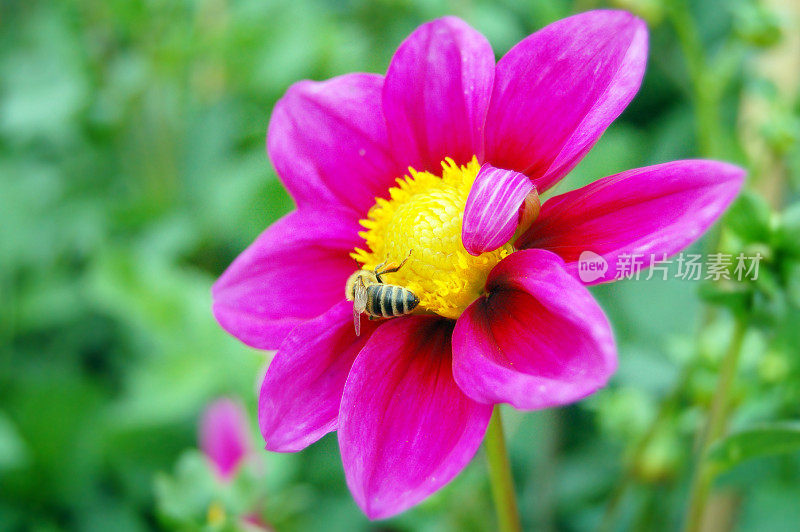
(359, 303)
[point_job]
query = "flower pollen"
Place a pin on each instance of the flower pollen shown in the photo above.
(423, 217)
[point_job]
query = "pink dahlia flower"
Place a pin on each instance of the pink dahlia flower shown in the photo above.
(224, 436)
(502, 316)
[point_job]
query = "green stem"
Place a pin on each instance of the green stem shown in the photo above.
(505, 501)
(707, 82)
(665, 409)
(715, 427)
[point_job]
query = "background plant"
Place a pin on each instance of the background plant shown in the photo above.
(132, 171)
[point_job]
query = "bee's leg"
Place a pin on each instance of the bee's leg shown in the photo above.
(390, 270)
(374, 318)
(377, 271)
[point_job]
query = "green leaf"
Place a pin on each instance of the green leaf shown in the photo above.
(726, 293)
(792, 278)
(789, 229)
(13, 452)
(755, 442)
(185, 497)
(757, 25)
(749, 217)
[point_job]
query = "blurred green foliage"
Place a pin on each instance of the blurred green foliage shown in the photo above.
(132, 171)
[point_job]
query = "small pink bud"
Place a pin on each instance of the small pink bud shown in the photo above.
(224, 435)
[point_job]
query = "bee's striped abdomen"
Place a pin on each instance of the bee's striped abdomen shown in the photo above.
(387, 300)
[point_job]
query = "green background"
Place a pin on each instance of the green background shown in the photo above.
(133, 171)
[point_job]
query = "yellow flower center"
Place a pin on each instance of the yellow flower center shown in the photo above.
(424, 216)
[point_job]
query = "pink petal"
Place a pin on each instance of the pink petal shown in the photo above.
(294, 271)
(301, 392)
(328, 142)
(436, 94)
(654, 210)
(557, 91)
(492, 211)
(539, 339)
(405, 428)
(224, 435)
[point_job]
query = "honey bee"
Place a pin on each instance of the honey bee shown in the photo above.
(369, 294)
